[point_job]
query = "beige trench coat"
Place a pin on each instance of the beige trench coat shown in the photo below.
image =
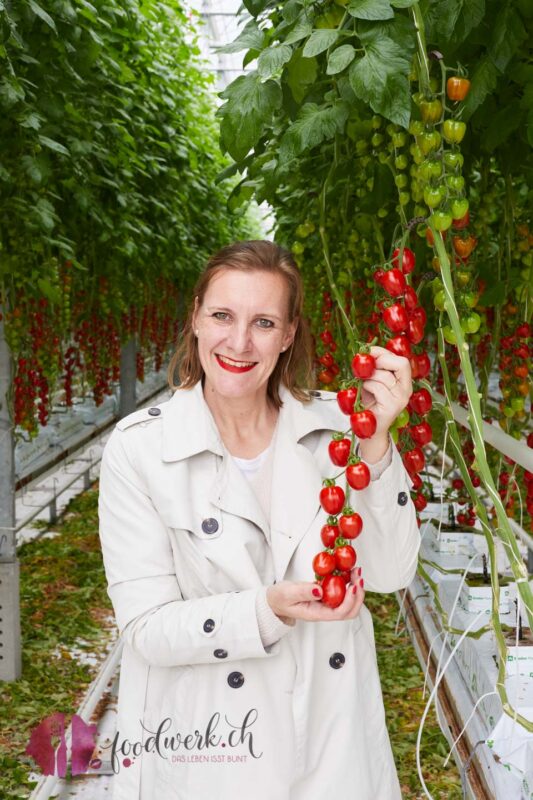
(205, 711)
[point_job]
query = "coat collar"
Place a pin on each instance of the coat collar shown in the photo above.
(189, 427)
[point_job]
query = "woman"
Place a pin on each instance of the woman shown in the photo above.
(236, 681)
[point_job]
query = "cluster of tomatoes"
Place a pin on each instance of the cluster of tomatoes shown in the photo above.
(328, 368)
(528, 479)
(332, 566)
(515, 369)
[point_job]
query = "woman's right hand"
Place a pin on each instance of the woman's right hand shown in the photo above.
(292, 600)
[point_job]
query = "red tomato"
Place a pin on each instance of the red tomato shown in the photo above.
(408, 260)
(325, 376)
(363, 365)
(350, 525)
(326, 360)
(328, 534)
(395, 318)
(400, 345)
(323, 563)
(421, 434)
(420, 502)
(410, 298)
(417, 482)
(414, 460)
(423, 364)
(346, 575)
(415, 331)
(332, 499)
(524, 331)
(393, 281)
(335, 369)
(326, 337)
(339, 451)
(363, 424)
(358, 475)
(333, 590)
(346, 400)
(419, 314)
(463, 222)
(378, 275)
(345, 557)
(420, 402)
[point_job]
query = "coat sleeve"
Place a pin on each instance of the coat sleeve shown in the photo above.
(387, 548)
(151, 615)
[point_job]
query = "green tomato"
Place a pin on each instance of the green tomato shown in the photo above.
(430, 169)
(394, 434)
(402, 419)
(462, 276)
(449, 334)
(453, 130)
(416, 127)
(404, 198)
(382, 212)
(471, 323)
(428, 141)
(377, 121)
(401, 161)
(517, 403)
(401, 180)
(433, 196)
(470, 299)
(377, 139)
(399, 139)
(439, 300)
(298, 248)
(456, 184)
(459, 207)
(441, 220)
(508, 411)
(453, 159)
(382, 157)
(430, 110)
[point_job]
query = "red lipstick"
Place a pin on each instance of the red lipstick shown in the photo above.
(231, 367)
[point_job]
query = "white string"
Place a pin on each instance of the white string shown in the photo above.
(430, 700)
(437, 635)
(478, 701)
(441, 481)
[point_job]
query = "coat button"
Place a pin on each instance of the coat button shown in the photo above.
(209, 625)
(220, 653)
(210, 525)
(337, 660)
(402, 499)
(154, 412)
(235, 680)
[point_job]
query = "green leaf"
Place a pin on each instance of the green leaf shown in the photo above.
(250, 105)
(319, 41)
(403, 3)
(314, 125)
(53, 145)
(370, 9)
(493, 294)
(250, 38)
(302, 73)
(380, 79)
(49, 290)
(273, 59)
(302, 29)
(501, 126)
(483, 82)
(508, 33)
(340, 59)
(41, 13)
(454, 19)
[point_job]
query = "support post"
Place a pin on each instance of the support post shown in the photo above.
(128, 378)
(10, 637)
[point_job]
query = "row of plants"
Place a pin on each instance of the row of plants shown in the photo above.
(393, 140)
(108, 198)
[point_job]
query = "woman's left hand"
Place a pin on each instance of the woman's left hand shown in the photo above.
(387, 392)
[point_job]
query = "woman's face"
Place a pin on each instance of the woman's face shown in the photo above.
(242, 327)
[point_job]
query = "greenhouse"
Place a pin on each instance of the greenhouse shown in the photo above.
(266, 444)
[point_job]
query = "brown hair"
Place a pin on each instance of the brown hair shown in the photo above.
(294, 366)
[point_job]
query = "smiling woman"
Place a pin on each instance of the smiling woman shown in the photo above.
(209, 522)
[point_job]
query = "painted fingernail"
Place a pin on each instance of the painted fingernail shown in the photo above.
(316, 592)
(359, 571)
(361, 583)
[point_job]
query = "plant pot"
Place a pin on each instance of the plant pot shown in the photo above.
(476, 595)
